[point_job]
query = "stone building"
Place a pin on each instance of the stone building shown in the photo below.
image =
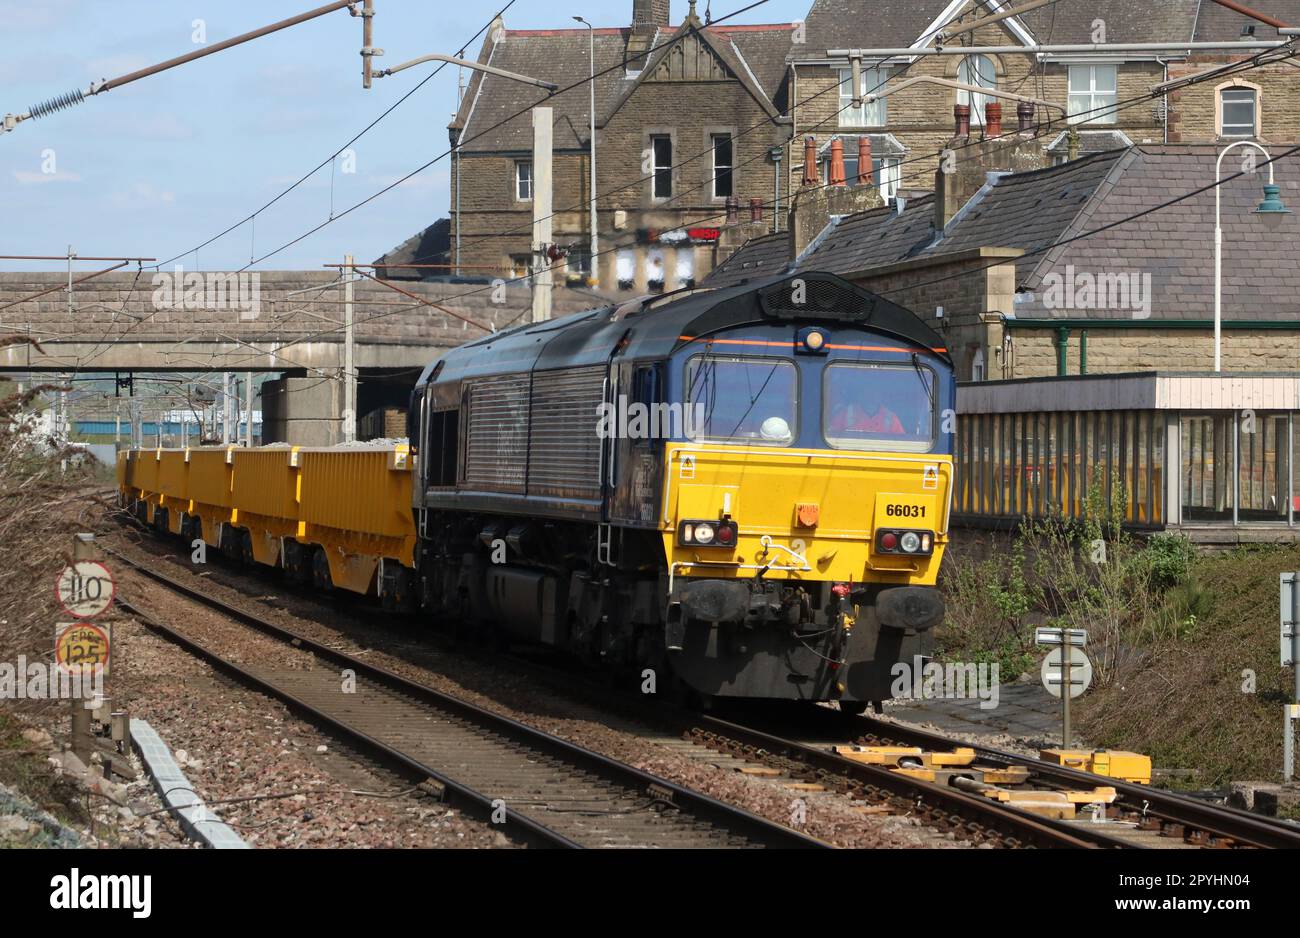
(1000, 272)
(1084, 102)
(702, 130)
(1262, 103)
(685, 120)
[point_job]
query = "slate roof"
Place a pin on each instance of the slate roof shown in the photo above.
(841, 24)
(756, 259)
(881, 24)
(1261, 268)
(561, 56)
(1034, 211)
(875, 238)
(430, 246)
(1219, 23)
(1030, 210)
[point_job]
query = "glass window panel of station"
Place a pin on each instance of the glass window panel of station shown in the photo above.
(1206, 471)
(1262, 471)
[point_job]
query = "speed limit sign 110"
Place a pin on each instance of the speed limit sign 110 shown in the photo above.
(84, 589)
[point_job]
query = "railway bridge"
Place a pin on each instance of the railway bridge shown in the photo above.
(288, 323)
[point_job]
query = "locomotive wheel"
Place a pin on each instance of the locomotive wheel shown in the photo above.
(246, 548)
(853, 708)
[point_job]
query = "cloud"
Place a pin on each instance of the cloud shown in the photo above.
(34, 179)
(158, 127)
(141, 195)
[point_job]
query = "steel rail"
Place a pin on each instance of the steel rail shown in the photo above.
(1031, 829)
(1218, 820)
(1014, 825)
(726, 817)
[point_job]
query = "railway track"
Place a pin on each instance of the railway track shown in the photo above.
(550, 791)
(1161, 814)
(964, 815)
(1140, 816)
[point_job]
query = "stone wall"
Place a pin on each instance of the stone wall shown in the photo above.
(496, 227)
(1193, 110)
(1113, 351)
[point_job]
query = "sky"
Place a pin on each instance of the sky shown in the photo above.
(156, 167)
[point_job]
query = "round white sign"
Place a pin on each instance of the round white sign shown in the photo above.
(85, 589)
(1080, 674)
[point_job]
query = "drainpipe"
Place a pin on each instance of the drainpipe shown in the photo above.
(1062, 346)
(1083, 352)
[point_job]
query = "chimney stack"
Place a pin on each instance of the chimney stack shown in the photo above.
(837, 163)
(992, 120)
(865, 174)
(1025, 117)
(961, 116)
(649, 13)
(810, 177)
(755, 209)
(733, 210)
(648, 17)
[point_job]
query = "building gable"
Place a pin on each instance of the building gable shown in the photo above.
(690, 59)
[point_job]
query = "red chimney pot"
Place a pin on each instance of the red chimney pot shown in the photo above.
(810, 177)
(865, 174)
(837, 163)
(993, 119)
(961, 114)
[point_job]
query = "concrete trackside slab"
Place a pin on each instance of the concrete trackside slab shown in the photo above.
(177, 794)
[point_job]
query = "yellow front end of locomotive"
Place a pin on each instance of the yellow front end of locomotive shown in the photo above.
(813, 515)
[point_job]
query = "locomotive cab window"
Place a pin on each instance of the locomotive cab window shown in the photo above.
(742, 400)
(878, 406)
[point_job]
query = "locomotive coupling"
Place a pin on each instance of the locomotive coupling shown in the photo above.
(909, 607)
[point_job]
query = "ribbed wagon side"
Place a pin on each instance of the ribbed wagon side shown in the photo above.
(355, 504)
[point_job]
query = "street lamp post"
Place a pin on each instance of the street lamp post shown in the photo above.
(1271, 211)
(591, 37)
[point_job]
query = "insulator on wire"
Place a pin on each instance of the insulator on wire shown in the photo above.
(57, 104)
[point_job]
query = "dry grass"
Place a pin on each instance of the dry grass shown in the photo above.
(37, 520)
(1181, 699)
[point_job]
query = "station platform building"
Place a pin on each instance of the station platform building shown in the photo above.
(1210, 455)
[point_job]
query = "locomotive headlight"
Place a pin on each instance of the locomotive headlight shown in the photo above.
(703, 534)
(910, 542)
(810, 341)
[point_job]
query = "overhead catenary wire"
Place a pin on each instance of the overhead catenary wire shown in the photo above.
(516, 279)
(333, 156)
(1014, 139)
(445, 153)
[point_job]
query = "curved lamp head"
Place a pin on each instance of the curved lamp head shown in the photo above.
(1271, 211)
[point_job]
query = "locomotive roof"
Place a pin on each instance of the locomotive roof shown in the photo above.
(656, 327)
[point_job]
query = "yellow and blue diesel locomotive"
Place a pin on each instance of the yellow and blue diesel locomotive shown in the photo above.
(747, 489)
(749, 486)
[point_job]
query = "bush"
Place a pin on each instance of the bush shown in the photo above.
(1170, 557)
